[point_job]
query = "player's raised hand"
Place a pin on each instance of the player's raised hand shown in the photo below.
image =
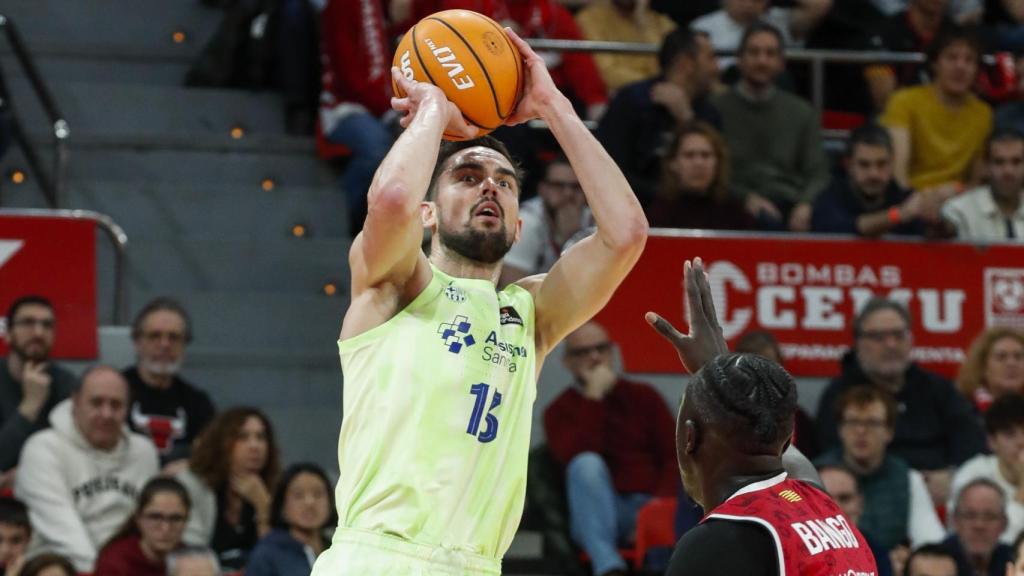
(539, 90)
(419, 95)
(705, 340)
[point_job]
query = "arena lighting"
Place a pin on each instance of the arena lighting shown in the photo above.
(330, 289)
(267, 184)
(299, 230)
(237, 132)
(17, 176)
(178, 37)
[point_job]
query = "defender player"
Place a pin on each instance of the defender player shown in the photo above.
(734, 426)
(441, 368)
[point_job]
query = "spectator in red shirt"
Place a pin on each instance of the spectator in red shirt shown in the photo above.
(141, 546)
(356, 76)
(575, 73)
(615, 439)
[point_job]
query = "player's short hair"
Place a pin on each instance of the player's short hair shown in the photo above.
(13, 512)
(161, 303)
(27, 300)
(680, 42)
(747, 397)
(863, 395)
(761, 27)
(450, 148)
(1005, 414)
(931, 551)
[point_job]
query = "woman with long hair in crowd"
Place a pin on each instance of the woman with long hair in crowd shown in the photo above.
(694, 187)
(141, 546)
(233, 468)
(48, 565)
(302, 514)
(994, 367)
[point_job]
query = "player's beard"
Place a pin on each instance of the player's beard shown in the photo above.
(482, 246)
(160, 368)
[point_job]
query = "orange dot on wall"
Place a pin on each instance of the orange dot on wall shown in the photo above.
(178, 37)
(330, 289)
(17, 176)
(267, 184)
(298, 230)
(237, 132)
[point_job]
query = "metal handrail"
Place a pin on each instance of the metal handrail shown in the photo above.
(816, 58)
(53, 188)
(113, 231)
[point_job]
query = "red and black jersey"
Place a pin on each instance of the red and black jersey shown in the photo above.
(811, 535)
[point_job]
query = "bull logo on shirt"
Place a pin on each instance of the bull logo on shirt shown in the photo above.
(162, 430)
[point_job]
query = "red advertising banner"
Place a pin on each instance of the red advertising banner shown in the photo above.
(55, 258)
(805, 290)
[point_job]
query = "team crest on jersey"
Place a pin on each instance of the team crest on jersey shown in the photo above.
(455, 334)
(454, 293)
(790, 496)
(510, 316)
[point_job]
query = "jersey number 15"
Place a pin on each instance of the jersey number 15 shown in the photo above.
(481, 391)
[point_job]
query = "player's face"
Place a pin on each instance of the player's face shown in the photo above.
(306, 503)
(100, 408)
(160, 345)
(956, 69)
(1008, 446)
(1004, 367)
(695, 163)
(1006, 167)
(865, 433)
(932, 566)
(251, 447)
(883, 347)
(870, 169)
(31, 332)
(162, 522)
(979, 520)
(761, 59)
(13, 543)
(477, 205)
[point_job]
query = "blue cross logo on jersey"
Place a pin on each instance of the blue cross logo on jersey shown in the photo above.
(456, 334)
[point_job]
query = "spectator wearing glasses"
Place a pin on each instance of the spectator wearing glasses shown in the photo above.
(550, 220)
(141, 546)
(978, 519)
(897, 507)
(31, 384)
(165, 407)
(615, 439)
(936, 428)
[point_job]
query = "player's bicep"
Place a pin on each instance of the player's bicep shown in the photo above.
(710, 549)
(387, 249)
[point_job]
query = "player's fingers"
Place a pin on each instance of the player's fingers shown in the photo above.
(707, 303)
(663, 327)
(405, 120)
(524, 48)
(401, 104)
(693, 294)
(401, 81)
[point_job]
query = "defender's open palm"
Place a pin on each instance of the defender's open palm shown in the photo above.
(705, 340)
(421, 95)
(539, 90)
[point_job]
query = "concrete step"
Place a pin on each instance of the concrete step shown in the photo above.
(81, 66)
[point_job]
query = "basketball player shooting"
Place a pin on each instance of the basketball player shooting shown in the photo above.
(440, 367)
(733, 441)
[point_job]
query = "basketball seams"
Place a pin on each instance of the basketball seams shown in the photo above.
(519, 65)
(416, 49)
(487, 76)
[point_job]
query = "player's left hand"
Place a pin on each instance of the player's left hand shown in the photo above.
(705, 340)
(539, 91)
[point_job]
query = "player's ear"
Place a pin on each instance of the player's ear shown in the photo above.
(519, 230)
(428, 213)
(786, 445)
(692, 439)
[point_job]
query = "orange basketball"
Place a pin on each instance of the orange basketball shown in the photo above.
(470, 57)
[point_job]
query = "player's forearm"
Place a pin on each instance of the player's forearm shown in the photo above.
(404, 175)
(620, 219)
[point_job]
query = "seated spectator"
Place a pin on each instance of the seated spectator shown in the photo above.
(978, 519)
(614, 438)
(80, 478)
(48, 565)
(302, 512)
(164, 406)
(643, 117)
(550, 220)
(1004, 24)
(31, 384)
(936, 428)
(994, 367)
(575, 73)
(193, 561)
(897, 506)
(623, 21)
(1009, 116)
(694, 190)
(841, 484)
(232, 470)
(939, 129)
(15, 532)
(727, 25)
(1004, 425)
(867, 201)
(141, 546)
(932, 560)
(764, 344)
(994, 212)
(356, 75)
(778, 162)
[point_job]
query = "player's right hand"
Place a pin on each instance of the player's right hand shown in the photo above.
(705, 340)
(420, 95)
